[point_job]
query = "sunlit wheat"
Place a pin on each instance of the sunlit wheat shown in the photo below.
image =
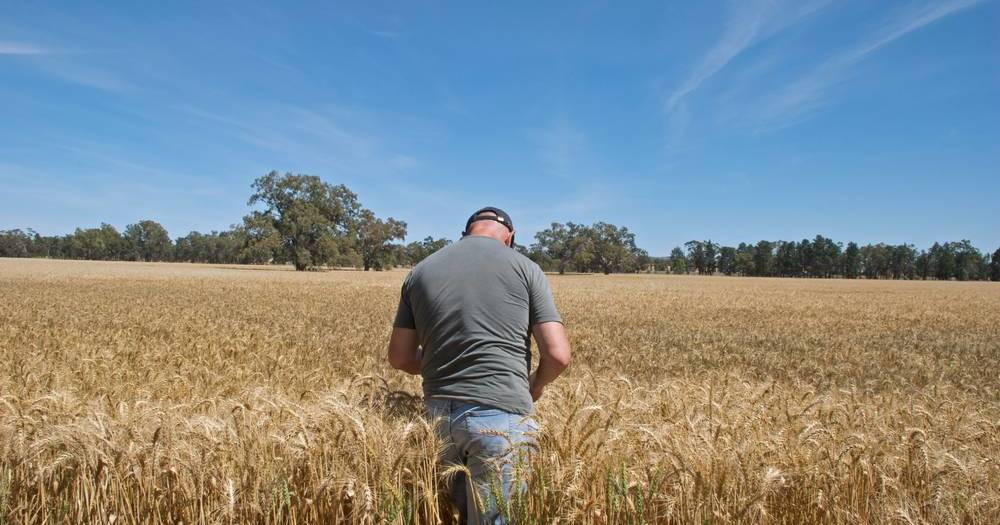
(157, 393)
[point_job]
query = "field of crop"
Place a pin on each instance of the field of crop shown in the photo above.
(170, 393)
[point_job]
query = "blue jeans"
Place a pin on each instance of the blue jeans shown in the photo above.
(490, 443)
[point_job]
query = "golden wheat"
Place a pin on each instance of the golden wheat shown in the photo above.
(157, 393)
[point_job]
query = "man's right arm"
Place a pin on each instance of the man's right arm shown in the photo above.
(548, 331)
(553, 355)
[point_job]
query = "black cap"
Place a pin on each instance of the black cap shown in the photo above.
(498, 216)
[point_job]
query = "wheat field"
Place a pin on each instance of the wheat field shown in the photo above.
(173, 393)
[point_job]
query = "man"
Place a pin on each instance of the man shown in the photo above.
(465, 320)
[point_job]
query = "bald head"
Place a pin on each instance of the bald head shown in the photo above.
(492, 229)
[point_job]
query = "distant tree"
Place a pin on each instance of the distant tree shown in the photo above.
(642, 261)
(184, 250)
(805, 260)
(852, 261)
(678, 262)
(876, 260)
(555, 242)
(788, 258)
(661, 264)
(614, 248)
(148, 241)
(417, 251)
(374, 239)
(763, 259)
(994, 268)
(567, 245)
(967, 260)
(903, 261)
(696, 255)
(581, 248)
(260, 242)
(923, 265)
(744, 259)
(224, 247)
(702, 256)
(943, 260)
(984, 267)
(214, 247)
(823, 257)
(932, 262)
(103, 243)
(727, 260)
(17, 243)
(398, 255)
(313, 219)
(711, 257)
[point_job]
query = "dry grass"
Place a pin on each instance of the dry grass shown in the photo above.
(141, 393)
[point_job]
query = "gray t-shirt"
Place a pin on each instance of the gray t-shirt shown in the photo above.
(473, 304)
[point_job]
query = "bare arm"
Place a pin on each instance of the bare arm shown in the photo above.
(553, 355)
(404, 351)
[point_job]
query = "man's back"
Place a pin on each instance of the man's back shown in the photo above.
(465, 321)
(473, 304)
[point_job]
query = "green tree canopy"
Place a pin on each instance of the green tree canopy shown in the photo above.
(994, 267)
(148, 241)
(312, 219)
(614, 248)
(678, 261)
(852, 261)
(374, 238)
(18, 243)
(568, 245)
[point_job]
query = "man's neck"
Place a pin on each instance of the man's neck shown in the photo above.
(484, 236)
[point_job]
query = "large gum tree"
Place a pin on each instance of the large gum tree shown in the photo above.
(312, 218)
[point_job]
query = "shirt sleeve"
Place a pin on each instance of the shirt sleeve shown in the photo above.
(541, 306)
(404, 312)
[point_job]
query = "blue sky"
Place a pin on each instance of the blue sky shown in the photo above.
(734, 121)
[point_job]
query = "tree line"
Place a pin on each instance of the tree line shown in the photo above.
(822, 257)
(305, 222)
(298, 220)
(577, 247)
(599, 248)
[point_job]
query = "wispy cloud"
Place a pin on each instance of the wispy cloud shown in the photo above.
(560, 147)
(576, 204)
(116, 159)
(382, 27)
(65, 64)
(23, 48)
(806, 94)
(326, 139)
(384, 33)
(748, 22)
(741, 28)
(566, 153)
(586, 199)
(677, 124)
(85, 75)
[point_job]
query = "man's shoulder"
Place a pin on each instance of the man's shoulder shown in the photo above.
(526, 262)
(462, 250)
(431, 261)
